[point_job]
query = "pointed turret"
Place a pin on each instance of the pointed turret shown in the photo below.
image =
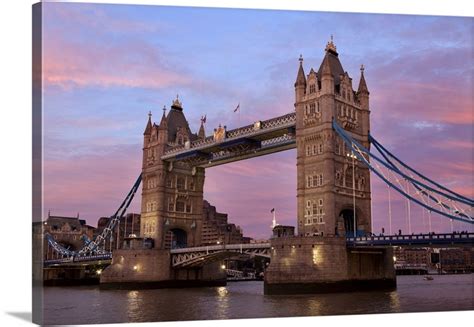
(300, 77)
(202, 132)
(163, 128)
(148, 125)
(164, 120)
(362, 84)
(300, 84)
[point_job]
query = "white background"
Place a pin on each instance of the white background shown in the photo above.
(15, 155)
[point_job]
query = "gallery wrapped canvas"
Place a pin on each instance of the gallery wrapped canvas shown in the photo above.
(204, 163)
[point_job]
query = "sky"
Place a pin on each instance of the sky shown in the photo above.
(106, 66)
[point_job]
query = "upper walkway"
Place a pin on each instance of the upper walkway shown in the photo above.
(263, 137)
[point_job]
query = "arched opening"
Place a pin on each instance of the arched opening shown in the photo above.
(178, 238)
(348, 217)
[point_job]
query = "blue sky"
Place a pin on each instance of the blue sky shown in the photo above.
(106, 66)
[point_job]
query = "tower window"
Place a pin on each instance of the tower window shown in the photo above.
(309, 181)
(321, 179)
(312, 88)
(312, 108)
(308, 150)
(314, 149)
(320, 202)
(320, 149)
(180, 184)
(180, 206)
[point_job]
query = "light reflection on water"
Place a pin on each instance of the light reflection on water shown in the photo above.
(89, 304)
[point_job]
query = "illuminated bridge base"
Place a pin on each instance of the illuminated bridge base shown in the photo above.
(325, 265)
(151, 268)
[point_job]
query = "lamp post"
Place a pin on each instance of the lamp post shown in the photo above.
(353, 156)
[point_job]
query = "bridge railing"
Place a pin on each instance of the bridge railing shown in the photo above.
(222, 247)
(423, 238)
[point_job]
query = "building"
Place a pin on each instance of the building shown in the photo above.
(456, 260)
(413, 256)
(70, 232)
(328, 178)
(128, 225)
(217, 230)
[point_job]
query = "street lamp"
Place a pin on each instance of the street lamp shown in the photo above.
(353, 156)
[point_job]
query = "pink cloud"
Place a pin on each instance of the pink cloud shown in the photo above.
(68, 64)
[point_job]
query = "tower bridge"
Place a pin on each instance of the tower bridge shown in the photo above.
(330, 129)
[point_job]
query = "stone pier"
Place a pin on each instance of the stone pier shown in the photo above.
(151, 268)
(325, 264)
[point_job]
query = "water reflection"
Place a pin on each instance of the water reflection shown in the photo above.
(222, 303)
(394, 302)
(79, 305)
(133, 305)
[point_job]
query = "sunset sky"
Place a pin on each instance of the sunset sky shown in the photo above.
(106, 66)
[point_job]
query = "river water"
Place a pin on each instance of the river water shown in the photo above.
(90, 304)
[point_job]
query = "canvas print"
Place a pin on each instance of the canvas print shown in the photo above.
(204, 163)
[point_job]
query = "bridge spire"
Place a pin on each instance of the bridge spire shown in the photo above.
(148, 125)
(300, 77)
(362, 84)
(164, 120)
(202, 132)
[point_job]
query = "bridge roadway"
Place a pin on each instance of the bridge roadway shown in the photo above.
(198, 256)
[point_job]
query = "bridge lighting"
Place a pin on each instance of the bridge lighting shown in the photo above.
(98, 272)
(135, 267)
(394, 258)
(223, 267)
(218, 242)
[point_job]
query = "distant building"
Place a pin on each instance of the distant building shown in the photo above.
(413, 256)
(456, 260)
(128, 225)
(216, 228)
(70, 232)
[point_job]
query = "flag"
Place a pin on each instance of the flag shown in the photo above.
(203, 119)
(237, 108)
(273, 210)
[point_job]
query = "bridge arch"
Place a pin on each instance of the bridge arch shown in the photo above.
(345, 218)
(176, 238)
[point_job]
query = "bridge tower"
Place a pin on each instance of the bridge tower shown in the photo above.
(326, 187)
(172, 195)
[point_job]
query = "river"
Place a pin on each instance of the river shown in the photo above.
(90, 304)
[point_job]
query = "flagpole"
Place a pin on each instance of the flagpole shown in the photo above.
(239, 114)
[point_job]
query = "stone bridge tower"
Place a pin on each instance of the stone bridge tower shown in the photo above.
(325, 190)
(172, 194)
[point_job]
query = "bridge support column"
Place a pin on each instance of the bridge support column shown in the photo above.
(325, 265)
